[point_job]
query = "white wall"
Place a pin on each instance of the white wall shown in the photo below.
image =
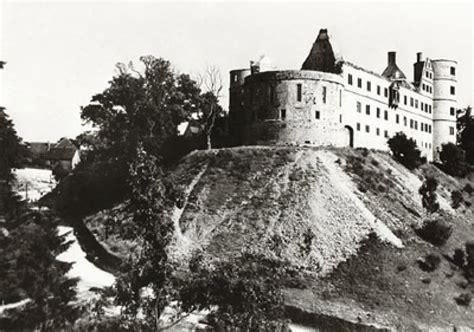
(351, 117)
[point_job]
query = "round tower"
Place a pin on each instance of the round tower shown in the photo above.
(236, 101)
(444, 103)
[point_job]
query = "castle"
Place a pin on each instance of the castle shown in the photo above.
(334, 102)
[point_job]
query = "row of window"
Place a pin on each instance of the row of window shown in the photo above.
(368, 85)
(429, 74)
(413, 101)
(427, 88)
(299, 94)
(385, 134)
(317, 115)
(367, 130)
(413, 123)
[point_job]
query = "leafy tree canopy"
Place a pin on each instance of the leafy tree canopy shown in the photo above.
(465, 126)
(13, 151)
(29, 244)
(453, 160)
(139, 108)
(405, 150)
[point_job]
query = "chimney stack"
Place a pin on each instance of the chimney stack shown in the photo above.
(254, 67)
(392, 58)
(419, 56)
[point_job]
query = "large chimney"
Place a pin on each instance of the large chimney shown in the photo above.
(392, 58)
(419, 56)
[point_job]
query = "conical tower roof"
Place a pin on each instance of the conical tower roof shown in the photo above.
(322, 56)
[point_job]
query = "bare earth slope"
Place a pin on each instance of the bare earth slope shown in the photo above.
(317, 208)
(254, 197)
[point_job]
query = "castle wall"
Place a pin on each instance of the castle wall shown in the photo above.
(293, 107)
(374, 121)
(352, 108)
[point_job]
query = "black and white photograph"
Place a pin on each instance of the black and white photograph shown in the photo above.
(244, 166)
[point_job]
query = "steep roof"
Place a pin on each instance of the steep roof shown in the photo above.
(38, 149)
(392, 72)
(61, 153)
(322, 56)
(63, 150)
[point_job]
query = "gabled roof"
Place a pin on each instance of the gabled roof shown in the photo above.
(61, 153)
(38, 148)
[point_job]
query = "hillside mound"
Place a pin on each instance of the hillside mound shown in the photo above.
(346, 217)
(296, 199)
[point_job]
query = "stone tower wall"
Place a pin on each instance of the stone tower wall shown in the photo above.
(274, 113)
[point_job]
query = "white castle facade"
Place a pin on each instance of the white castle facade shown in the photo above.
(331, 102)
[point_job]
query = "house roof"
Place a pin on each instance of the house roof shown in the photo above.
(61, 153)
(38, 148)
(63, 150)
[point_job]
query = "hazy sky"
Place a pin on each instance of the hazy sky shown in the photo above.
(60, 54)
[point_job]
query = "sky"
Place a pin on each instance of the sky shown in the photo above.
(59, 54)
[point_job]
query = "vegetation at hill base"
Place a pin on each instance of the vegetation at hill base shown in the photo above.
(30, 274)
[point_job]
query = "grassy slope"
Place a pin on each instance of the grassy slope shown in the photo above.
(270, 198)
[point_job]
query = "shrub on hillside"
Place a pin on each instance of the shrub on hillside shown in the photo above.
(429, 199)
(463, 299)
(453, 160)
(459, 258)
(436, 232)
(468, 188)
(456, 199)
(404, 150)
(429, 263)
(470, 260)
(371, 177)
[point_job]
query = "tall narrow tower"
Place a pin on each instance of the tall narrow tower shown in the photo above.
(236, 100)
(444, 103)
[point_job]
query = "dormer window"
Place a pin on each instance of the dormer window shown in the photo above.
(394, 95)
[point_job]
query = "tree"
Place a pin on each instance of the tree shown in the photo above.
(465, 126)
(433, 230)
(209, 107)
(243, 292)
(13, 151)
(139, 107)
(31, 271)
(29, 244)
(405, 150)
(453, 160)
(150, 272)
